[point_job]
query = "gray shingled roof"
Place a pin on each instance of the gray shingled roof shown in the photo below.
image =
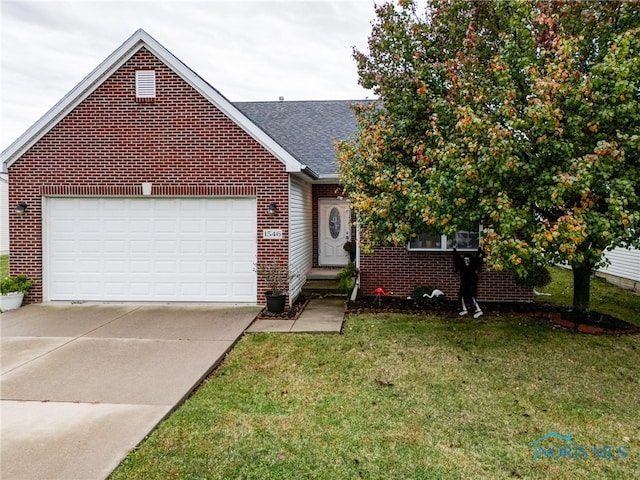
(306, 129)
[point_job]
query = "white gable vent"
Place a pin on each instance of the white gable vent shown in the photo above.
(145, 84)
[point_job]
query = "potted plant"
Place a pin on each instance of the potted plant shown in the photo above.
(276, 276)
(12, 292)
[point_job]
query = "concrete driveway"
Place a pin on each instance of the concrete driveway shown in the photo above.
(83, 384)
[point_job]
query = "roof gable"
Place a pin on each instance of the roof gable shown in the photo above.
(141, 39)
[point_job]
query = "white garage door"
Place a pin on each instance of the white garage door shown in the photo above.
(150, 249)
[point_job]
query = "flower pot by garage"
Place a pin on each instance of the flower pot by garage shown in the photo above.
(11, 301)
(276, 302)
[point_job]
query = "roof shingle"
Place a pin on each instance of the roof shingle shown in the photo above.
(306, 129)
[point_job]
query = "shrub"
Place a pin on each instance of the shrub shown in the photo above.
(537, 276)
(276, 275)
(18, 284)
(346, 275)
(420, 291)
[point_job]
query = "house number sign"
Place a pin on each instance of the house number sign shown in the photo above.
(272, 233)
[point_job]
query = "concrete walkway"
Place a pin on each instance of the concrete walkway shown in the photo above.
(82, 385)
(321, 315)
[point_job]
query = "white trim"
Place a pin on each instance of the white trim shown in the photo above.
(111, 64)
(46, 257)
(4, 215)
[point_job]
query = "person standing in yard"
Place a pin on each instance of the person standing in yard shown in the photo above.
(468, 267)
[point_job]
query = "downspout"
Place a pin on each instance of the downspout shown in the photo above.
(354, 292)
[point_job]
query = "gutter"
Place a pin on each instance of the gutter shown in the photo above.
(308, 171)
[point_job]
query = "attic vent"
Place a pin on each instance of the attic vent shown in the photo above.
(145, 85)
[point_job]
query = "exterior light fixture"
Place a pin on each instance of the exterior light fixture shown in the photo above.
(20, 208)
(271, 209)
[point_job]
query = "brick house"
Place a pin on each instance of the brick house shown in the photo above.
(144, 183)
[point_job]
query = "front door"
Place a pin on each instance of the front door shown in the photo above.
(333, 231)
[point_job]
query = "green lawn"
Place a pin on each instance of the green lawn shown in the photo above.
(399, 396)
(4, 266)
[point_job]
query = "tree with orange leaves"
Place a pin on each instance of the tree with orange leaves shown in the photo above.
(523, 117)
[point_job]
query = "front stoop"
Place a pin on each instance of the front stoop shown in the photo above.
(323, 282)
(321, 315)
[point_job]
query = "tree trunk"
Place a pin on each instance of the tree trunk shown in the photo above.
(581, 287)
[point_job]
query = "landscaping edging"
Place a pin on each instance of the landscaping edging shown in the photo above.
(557, 319)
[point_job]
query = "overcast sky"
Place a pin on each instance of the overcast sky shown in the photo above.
(248, 50)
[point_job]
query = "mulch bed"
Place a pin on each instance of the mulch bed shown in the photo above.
(590, 322)
(292, 313)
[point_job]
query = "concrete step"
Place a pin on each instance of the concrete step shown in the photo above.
(322, 288)
(323, 273)
(323, 282)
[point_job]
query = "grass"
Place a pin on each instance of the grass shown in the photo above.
(400, 396)
(605, 297)
(4, 266)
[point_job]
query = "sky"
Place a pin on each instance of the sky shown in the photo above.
(247, 50)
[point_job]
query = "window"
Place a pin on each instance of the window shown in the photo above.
(464, 240)
(145, 84)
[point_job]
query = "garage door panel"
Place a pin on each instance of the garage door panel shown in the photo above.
(115, 224)
(168, 288)
(140, 246)
(134, 267)
(242, 226)
(137, 226)
(190, 247)
(88, 265)
(151, 249)
(193, 267)
(166, 266)
(161, 226)
(88, 286)
(65, 287)
(242, 289)
(68, 246)
(65, 266)
(216, 266)
(242, 247)
(166, 247)
(116, 288)
(191, 225)
(215, 245)
(114, 246)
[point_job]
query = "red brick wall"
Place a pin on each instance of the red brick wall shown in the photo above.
(399, 270)
(110, 143)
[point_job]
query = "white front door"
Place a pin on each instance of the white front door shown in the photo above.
(333, 231)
